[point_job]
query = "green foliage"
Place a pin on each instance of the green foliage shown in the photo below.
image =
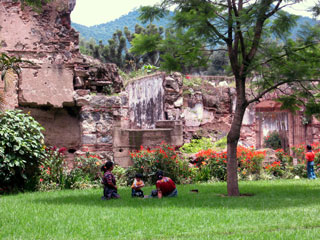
(21, 149)
(182, 51)
(150, 68)
(120, 174)
(85, 173)
(221, 143)
(192, 82)
(35, 4)
(272, 140)
(144, 50)
(196, 145)
(51, 168)
(145, 43)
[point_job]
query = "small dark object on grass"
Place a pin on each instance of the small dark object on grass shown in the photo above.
(194, 191)
(241, 195)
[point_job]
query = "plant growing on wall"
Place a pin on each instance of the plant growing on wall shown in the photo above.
(35, 4)
(9, 68)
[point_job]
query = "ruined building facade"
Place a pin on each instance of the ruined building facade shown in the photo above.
(85, 107)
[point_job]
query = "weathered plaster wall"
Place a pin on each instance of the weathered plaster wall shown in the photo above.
(57, 132)
(47, 40)
(146, 101)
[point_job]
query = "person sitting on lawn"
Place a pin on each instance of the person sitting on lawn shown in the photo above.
(110, 189)
(165, 187)
(137, 185)
(310, 162)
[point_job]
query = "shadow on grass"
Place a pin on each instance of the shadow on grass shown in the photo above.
(266, 195)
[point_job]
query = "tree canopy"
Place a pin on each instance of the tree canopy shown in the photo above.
(255, 34)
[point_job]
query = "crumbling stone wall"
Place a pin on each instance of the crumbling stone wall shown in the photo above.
(99, 114)
(58, 88)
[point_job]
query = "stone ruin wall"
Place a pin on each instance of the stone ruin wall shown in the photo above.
(63, 90)
(69, 94)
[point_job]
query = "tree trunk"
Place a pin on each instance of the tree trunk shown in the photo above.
(232, 143)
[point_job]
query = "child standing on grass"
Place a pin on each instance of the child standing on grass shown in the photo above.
(137, 185)
(110, 189)
(310, 162)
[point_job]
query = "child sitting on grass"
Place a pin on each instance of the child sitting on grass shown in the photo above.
(137, 185)
(108, 180)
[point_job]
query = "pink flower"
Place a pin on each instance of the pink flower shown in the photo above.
(41, 180)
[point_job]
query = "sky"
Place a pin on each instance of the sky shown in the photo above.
(94, 12)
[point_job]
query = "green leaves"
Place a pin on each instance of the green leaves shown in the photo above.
(148, 13)
(145, 43)
(21, 148)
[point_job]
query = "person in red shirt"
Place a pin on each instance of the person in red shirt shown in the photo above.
(165, 186)
(310, 162)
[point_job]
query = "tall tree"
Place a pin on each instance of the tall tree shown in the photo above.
(243, 27)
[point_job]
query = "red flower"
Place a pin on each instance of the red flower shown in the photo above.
(41, 180)
(62, 150)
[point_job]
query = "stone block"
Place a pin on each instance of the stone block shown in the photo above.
(120, 137)
(89, 139)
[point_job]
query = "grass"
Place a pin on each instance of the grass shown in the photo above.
(281, 209)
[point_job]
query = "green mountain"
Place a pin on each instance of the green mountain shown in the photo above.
(105, 31)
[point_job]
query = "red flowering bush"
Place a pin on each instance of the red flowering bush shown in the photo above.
(249, 162)
(148, 162)
(51, 169)
(275, 169)
(214, 161)
(86, 172)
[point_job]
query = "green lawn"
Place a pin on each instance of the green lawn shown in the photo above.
(284, 209)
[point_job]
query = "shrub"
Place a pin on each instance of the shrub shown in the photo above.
(51, 170)
(215, 162)
(249, 162)
(21, 149)
(120, 175)
(196, 145)
(299, 170)
(221, 143)
(275, 169)
(86, 172)
(148, 162)
(284, 158)
(273, 140)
